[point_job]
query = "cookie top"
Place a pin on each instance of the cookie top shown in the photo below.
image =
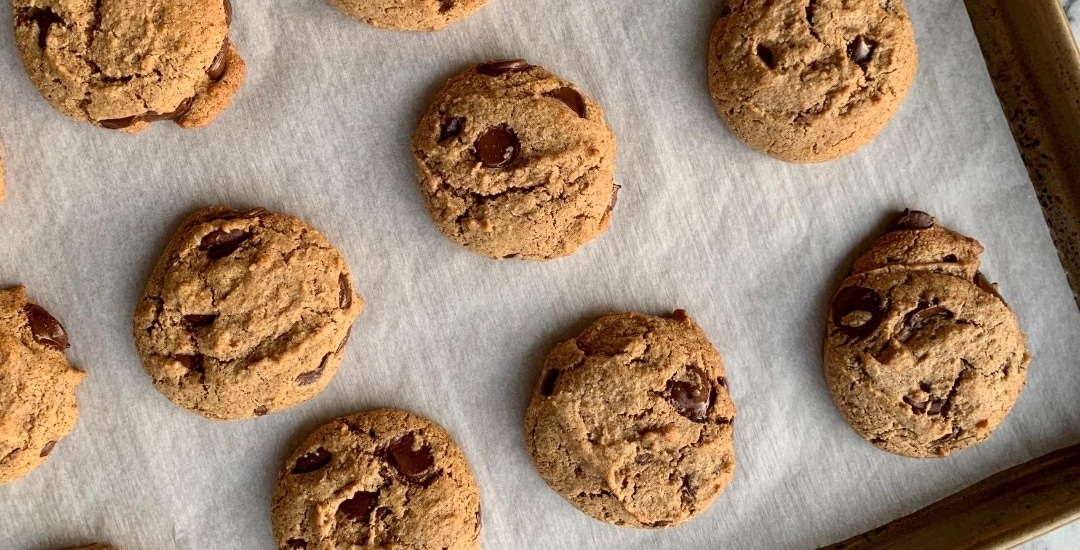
(515, 162)
(923, 359)
(632, 422)
(246, 313)
(123, 64)
(409, 15)
(810, 81)
(37, 385)
(378, 479)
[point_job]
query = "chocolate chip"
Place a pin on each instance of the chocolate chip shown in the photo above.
(45, 18)
(982, 282)
(497, 147)
(857, 299)
(312, 376)
(933, 405)
(680, 316)
(261, 410)
(571, 98)
(121, 123)
(196, 321)
(47, 449)
(191, 362)
(360, 506)
(218, 244)
(913, 219)
(860, 50)
(547, 387)
(228, 13)
(445, 5)
(414, 465)
(614, 197)
(691, 397)
(296, 544)
(345, 298)
(918, 317)
(766, 56)
(312, 462)
(248, 214)
(45, 329)
(498, 68)
(451, 128)
(216, 70)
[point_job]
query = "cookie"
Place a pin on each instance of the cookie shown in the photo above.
(632, 422)
(378, 479)
(515, 162)
(37, 385)
(246, 313)
(922, 355)
(810, 80)
(123, 64)
(409, 15)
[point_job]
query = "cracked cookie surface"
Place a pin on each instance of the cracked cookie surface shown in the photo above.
(632, 422)
(922, 355)
(378, 479)
(123, 64)
(515, 162)
(37, 385)
(246, 313)
(409, 15)
(810, 80)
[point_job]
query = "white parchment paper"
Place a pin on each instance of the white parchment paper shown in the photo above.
(753, 248)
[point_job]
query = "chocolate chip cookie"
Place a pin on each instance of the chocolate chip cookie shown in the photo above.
(246, 313)
(409, 15)
(515, 162)
(923, 357)
(37, 385)
(632, 422)
(123, 64)
(810, 80)
(378, 479)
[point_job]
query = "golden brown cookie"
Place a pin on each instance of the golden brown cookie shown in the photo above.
(246, 313)
(37, 385)
(923, 357)
(515, 162)
(378, 479)
(122, 64)
(631, 421)
(810, 80)
(409, 15)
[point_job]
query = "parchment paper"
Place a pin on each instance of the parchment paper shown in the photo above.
(752, 247)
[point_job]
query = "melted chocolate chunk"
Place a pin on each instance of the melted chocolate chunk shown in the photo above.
(919, 317)
(360, 506)
(192, 363)
(312, 462)
(345, 297)
(547, 387)
(497, 147)
(982, 282)
(913, 219)
(216, 70)
(45, 329)
(571, 98)
(248, 214)
(218, 244)
(312, 376)
(47, 449)
(445, 5)
(680, 316)
(261, 410)
(121, 123)
(498, 68)
(228, 13)
(855, 299)
(196, 321)
(415, 465)
(861, 49)
(691, 397)
(451, 128)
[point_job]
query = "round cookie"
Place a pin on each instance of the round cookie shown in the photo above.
(378, 479)
(632, 422)
(123, 64)
(923, 360)
(409, 15)
(246, 313)
(515, 162)
(37, 385)
(810, 80)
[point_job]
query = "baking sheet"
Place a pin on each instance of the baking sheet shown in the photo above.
(751, 247)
